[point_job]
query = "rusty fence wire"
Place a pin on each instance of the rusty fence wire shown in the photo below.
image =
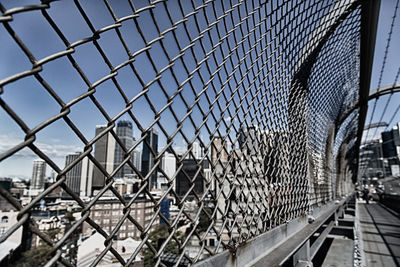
(217, 120)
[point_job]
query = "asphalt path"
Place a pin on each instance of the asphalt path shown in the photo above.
(381, 235)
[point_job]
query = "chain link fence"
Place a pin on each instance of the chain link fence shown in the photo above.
(200, 124)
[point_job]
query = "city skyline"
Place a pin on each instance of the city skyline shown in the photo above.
(59, 140)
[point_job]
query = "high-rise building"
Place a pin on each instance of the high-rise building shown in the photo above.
(388, 145)
(219, 149)
(196, 150)
(249, 139)
(79, 178)
(125, 134)
(73, 176)
(275, 154)
(391, 147)
(38, 174)
(150, 150)
(190, 173)
(168, 164)
(137, 159)
(104, 154)
(371, 159)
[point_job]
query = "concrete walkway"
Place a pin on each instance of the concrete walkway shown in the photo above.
(381, 235)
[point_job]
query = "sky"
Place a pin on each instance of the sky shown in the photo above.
(389, 71)
(34, 105)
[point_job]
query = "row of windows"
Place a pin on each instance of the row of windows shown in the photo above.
(114, 212)
(130, 234)
(109, 229)
(118, 205)
(114, 222)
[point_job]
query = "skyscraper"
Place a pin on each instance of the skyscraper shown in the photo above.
(388, 145)
(191, 172)
(219, 148)
(196, 150)
(137, 159)
(38, 174)
(249, 139)
(168, 164)
(150, 150)
(104, 154)
(125, 134)
(73, 176)
(79, 178)
(391, 147)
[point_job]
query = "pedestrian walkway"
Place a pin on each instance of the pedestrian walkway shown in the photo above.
(381, 235)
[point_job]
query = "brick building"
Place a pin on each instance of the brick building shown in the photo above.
(108, 211)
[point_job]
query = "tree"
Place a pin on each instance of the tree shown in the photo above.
(157, 237)
(204, 220)
(39, 255)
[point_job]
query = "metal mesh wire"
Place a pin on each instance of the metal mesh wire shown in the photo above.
(245, 93)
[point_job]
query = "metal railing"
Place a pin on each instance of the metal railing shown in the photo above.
(242, 96)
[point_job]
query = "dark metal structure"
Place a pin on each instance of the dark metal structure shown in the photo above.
(262, 84)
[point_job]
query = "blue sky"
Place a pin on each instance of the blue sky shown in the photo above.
(34, 105)
(390, 70)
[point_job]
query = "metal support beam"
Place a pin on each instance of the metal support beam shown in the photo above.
(374, 94)
(376, 125)
(320, 240)
(369, 23)
(303, 256)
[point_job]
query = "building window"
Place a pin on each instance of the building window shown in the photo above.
(122, 235)
(115, 206)
(115, 212)
(106, 212)
(4, 219)
(97, 213)
(123, 227)
(115, 221)
(106, 221)
(212, 243)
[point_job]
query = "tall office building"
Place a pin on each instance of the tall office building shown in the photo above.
(79, 178)
(219, 149)
(125, 134)
(188, 174)
(168, 164)
(196, 150)
(391, 148)
(371, 159)
(150, 150)
(249, 139)
(388, 144)
(137, 159)
(38, 174)
(104, 154)
(275, 153)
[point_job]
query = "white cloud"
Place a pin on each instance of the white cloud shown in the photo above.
(7, 142)
(228, 119)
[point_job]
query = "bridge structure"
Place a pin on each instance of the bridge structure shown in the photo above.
(227, 133)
